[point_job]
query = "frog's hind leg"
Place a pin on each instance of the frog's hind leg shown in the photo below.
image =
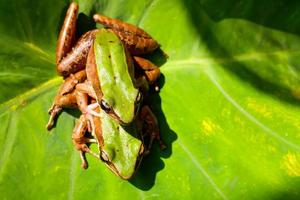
(151, 71)
(76, 59)
(81, 142)
(136, 39)
(65, 96)
(150, 127)
(67, 33)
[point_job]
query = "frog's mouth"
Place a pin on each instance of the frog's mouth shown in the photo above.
(105, 158)
(111, 113)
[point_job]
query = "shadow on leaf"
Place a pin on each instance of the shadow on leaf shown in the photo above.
(265, 75)
(152, 163)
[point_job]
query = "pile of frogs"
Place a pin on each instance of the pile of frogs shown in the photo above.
(106, 78)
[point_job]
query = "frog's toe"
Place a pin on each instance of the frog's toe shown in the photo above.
(84, 163)
(54, 111)
(90, 110)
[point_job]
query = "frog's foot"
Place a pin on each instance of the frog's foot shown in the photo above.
(60, 102)
(90, 109)
(80, 140)
(155, 135)
(150, 127)
(54, 111)
(90, 113)
(161, 143)
(142, 83)
(84, 162)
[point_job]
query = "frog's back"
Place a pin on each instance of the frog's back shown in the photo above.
(115, 75)
(121, 149)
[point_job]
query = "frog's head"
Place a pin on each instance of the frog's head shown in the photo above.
(111, 73)
(120, 147)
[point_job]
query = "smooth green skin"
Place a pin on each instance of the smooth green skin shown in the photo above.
(121, 145)
(229, 95)
(115, 80)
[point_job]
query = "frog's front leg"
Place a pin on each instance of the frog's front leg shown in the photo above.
(87, 89)
(150, 128)
(65, 96)
(61, 101)
(71, 81)
(83, 92)
(80, 141)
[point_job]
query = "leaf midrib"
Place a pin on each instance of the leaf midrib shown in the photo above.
(192, 62)
(233, 58)
(14, 103)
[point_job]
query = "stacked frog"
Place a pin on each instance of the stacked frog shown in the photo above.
(105, 79)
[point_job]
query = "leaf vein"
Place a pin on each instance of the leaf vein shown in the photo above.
(8, 144)
(202, 170)
(14, 103)
(210, 73)
(72, 175)
(234, 58)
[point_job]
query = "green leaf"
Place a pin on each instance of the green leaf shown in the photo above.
(228, 108)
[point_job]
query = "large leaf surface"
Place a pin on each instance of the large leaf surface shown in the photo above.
(228, 109)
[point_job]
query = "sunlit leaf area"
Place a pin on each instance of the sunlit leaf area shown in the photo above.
(228, 108)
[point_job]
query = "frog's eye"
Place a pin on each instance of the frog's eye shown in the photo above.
(105, 106)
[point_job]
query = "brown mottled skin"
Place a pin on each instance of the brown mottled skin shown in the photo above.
(77, 65)
(136, 39)
(120, 26)
(152, 72)
(92, 74)
(66, 36)
(97, 131)
(71, 81)
(76, 58)
(66, 96)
